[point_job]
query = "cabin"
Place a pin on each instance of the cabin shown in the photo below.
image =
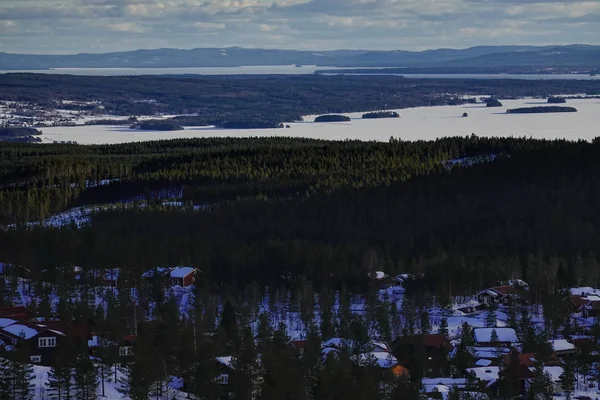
(563, 347)
(225, 370)
(182, 276)
(507, 337)
(432, 348)
(110, 277)
(505, 295)
(40, 341)
(588, 304)
(299, 346)
(125, 348)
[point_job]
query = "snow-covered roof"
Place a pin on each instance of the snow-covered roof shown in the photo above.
(338, 343)
(382, 346)
(554, 372)
(458, 382)
(485, 373)
(505, 335)
(484, 352)
(21, 330)
(93, 342)
(518, 282)
(483, 363)
(562, 345)
(181, 272)
(582, 291)
(6, 322)
(381, 358)
(226, 361)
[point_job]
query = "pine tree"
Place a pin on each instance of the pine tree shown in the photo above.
(542, 386)
(508, 385)
(5, 381)
(568, 379)
(86, 377)
(21, 374)
(491, 317)
(443, 328)
(246, 368)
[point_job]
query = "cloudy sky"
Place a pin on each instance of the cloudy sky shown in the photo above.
(71, 26)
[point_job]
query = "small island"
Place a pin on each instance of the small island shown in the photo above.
(541, 110)
(493, 102)
(381, 114)
(157, 126)
(332, 118)
(557, 100)
(20, 135)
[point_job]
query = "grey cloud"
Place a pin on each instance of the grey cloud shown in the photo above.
(105, 25)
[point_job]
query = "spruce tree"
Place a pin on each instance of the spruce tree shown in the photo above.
(568, 379)
(491, 317)
(86, 377)
(21, 374)
(542, 386)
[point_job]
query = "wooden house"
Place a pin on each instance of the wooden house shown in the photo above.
(182, 276)
(507, 337)
(433, 349)
(40, 341)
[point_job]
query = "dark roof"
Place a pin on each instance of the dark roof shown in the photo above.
(72, 329)
(526, 359)
(299, 344)
(506, 289)
(129, 338)
(578, 301)
(584, 342)
(432, 340)
(18, 312)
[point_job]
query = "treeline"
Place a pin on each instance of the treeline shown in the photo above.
(267, 98)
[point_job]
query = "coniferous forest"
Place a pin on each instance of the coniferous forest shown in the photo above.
(289, 238)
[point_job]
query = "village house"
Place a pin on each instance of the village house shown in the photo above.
(183, 276)
(433, 349)
(299, 346)
(372, 353)
(585, 301)
(507, 337)
(40, 341)
(506, 295)
(225, 368)
(563, 347)
(484, 356)
(177, 276)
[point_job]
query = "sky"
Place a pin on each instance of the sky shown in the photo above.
(98, 26)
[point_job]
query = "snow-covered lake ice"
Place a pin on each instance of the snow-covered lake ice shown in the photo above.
(425, 123)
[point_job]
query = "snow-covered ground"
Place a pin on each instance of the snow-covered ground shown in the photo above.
(110, 392)
(425, 123)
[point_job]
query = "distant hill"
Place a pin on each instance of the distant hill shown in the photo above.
(481, 56)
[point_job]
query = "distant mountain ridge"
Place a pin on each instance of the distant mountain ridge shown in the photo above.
(480, 56)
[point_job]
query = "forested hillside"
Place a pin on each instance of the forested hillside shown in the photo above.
(288, 237)
(272, 208)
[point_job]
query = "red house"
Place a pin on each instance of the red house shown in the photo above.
(183, 276)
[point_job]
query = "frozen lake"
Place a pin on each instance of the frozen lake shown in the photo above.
(425, 123)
